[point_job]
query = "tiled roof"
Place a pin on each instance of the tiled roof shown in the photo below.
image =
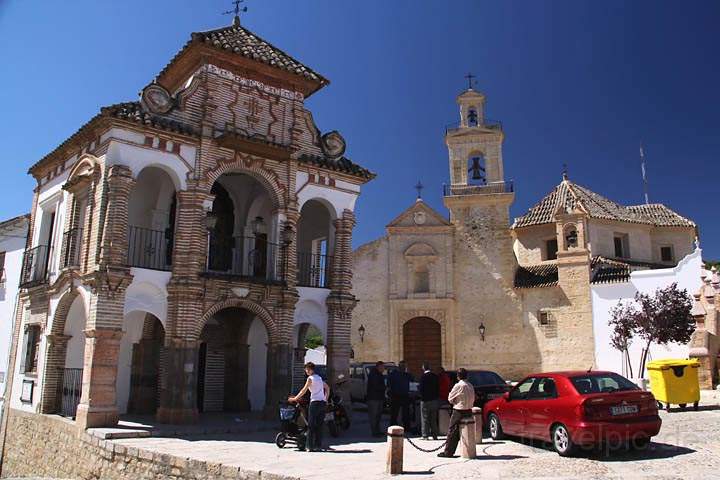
(533, 276)
(130, 111)
(568, 196)
(662, 215)
(242, 41)
(602, 270)
(342, 164)
(614, 270)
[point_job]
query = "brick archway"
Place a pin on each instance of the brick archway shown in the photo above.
(261, 312)
(422, 342)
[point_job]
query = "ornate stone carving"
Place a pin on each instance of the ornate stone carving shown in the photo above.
(156, 99)
(333, 145)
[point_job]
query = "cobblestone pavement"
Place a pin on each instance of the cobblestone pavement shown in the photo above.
(688, 447)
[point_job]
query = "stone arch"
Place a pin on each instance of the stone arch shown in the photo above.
(570, 231)
(146, 297)
(419, 249)
(252, 167)
(332, 211)
(62, 309)
(85, 167)
(174, 177)
(261, 312)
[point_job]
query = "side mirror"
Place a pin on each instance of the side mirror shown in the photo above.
(506, 396)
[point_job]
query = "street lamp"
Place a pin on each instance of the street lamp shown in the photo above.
(481, 329)
(211, 221)
(361, 331)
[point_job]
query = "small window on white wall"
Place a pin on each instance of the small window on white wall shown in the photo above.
(622, 245)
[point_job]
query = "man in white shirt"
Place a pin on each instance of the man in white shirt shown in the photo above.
(462, 398)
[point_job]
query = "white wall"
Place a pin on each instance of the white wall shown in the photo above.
(257, 365)
(13, 244)
(687, 274)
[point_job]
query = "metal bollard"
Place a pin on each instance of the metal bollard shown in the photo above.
(395, 439)
(477, 415)
(467, 438)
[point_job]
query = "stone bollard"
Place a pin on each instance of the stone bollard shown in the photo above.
(467, 438)
(477, 415)
(395, 440)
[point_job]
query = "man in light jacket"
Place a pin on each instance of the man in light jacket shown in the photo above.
(462, 398)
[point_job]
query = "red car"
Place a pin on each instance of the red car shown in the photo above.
(575, 409)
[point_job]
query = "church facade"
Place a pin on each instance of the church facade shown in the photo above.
(180, 245)
(472, 289)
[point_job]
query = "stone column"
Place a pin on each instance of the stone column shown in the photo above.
(341, 301)
(395, 439)
(98, 402)
(53, 377)
(114, 244)
(178, 385)
(279, 375)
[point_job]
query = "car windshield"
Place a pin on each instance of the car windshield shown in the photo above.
(601, 383)
(485, 378)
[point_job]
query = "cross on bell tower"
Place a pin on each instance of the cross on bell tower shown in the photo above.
(236, 11)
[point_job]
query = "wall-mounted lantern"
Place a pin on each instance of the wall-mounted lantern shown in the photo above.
(258, 225)
(211, 221)
(361, 331)
(481, 329)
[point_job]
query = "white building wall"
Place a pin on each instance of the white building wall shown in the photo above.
(605, 297)
(12, 243)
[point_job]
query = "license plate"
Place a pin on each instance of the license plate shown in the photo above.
(623, 409)
(329, 417)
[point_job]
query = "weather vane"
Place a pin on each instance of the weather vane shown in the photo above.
(470, 77)
(419, 187)
(236, 11)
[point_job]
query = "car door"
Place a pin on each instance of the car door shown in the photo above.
(541, 408)
(512, 417)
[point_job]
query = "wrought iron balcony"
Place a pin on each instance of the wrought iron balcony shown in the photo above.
(313, 270)
(483, 123)
(490, 188)
(251, 258)
(71, 248)
(151, 249)
(35, 266)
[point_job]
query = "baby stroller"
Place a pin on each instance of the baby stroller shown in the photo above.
(293, 426)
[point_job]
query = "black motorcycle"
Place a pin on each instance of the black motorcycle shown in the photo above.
(336, 416)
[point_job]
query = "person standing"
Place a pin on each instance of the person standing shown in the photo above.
(462, 398)
(319, 392)
(375, 397)
(429, 402)
(444, 383)
(399, 387)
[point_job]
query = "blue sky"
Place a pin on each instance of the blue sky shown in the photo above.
(574, 82)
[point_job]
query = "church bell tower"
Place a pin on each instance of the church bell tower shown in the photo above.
(476, 164)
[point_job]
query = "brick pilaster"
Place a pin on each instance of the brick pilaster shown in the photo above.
(115, 233)
(98, 402)
(53, 373)
(341, 301)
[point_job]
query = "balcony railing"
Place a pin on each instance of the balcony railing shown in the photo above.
(253, 258)
(71, 248)
(313, 270)
(151, 249)
(483, 123)
(35, 266)
(490, 188)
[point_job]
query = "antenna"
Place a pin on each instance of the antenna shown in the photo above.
(644, 175)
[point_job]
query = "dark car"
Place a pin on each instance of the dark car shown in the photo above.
(488, 385)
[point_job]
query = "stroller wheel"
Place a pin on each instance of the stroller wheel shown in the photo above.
(280, 440)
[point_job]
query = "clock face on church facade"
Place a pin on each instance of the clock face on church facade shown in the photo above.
(419, 218)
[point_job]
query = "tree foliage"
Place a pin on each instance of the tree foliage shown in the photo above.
(661, 318)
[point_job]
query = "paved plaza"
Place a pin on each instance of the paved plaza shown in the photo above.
(688, 447)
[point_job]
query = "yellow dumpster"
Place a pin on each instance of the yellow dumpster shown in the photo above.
(675, 382)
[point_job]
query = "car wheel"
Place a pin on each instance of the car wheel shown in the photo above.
(496, 431)
(280, 440)
(562, 443)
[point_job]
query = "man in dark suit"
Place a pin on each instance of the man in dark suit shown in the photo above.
(429, 402)
(376, 397)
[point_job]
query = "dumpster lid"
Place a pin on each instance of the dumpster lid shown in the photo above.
(668, 363)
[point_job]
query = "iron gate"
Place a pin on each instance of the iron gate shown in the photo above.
(71, 390)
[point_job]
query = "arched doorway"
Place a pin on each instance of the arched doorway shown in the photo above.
(74, 359)
(232, 363)
(422, 342)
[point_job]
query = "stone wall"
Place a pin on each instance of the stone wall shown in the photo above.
(50, 446)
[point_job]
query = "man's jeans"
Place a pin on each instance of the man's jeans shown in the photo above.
(429, 412)
(375, 409)
(316, 422)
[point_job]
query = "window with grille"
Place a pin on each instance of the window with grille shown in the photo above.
(544, 318)
(666, 254)
(32, 349)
